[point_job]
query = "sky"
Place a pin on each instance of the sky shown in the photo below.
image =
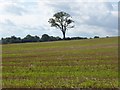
(91, 17)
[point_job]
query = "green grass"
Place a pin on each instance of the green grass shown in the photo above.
(91, 63)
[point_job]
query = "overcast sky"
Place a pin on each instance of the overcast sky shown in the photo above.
(92, 17)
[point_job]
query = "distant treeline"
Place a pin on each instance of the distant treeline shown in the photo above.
(29, 38)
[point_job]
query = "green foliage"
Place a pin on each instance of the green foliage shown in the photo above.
(30, 38)
(45, 37)
(96, 37)
(61, 20)
(12, 39)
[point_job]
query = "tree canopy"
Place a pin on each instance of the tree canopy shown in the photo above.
(62, 20)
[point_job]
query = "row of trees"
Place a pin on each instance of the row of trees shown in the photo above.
(30, 38)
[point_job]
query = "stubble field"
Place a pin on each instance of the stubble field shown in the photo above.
(91, 63)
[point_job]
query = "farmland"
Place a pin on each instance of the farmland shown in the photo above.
(91, 63)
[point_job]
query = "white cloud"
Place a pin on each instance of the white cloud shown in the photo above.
(22, 17)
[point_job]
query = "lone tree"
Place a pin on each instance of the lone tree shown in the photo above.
(61, 20)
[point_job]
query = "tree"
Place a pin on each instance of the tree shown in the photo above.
(45, 37)
(61, 20)
(30, 38)
(11, 39)
(96, 36)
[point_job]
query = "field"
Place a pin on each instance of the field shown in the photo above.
(91, 63)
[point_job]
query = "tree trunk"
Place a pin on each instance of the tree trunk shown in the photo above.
(63, 35)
